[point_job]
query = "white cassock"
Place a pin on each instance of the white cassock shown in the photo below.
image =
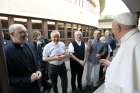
(123, 74)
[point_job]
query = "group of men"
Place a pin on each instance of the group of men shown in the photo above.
(122, 75)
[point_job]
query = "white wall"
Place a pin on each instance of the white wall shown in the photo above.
(50, 9)
(105, 24)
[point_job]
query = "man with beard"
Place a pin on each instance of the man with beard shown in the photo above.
(21, 62)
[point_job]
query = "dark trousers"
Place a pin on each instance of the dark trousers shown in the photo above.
(101, 73)
(76, 70)
(28, 89)
(54, 71)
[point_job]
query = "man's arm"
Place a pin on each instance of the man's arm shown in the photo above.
(71, 51)
(56, 57)
(77, 59)
(104, 51)
(88, 50)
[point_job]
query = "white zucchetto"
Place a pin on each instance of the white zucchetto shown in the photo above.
(126, 19)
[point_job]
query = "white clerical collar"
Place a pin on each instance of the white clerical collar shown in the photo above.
(78, 42)
(127, 35)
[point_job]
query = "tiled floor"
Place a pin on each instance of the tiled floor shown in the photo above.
(100, 89)
(69, 77)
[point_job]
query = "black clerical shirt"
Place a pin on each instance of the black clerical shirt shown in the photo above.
(20, 63)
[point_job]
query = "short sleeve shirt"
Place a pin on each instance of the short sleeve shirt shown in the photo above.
(52, 49)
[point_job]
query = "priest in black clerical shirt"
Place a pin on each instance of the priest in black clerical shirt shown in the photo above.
(22, 65)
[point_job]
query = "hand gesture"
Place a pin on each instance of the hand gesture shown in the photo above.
(82, 62)
(35, 76)
(104, 62)
(98, 56)
(38, 74)
(60, 57)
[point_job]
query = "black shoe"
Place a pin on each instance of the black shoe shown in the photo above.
(80, 89)
(89, 87)
(47, 87)
(94, 88)
(74, 91)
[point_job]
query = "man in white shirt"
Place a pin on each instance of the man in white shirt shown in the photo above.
(77, 54)
(53, 53)
(123, 73)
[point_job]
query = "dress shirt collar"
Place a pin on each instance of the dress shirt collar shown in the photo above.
(78, 42)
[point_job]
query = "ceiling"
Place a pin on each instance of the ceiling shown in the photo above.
(133, 5)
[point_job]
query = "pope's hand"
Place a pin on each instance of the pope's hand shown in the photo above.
(104, 62)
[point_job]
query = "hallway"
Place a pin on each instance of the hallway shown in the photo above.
(99, 90)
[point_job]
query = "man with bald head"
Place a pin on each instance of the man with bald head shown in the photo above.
(23, 69)
(123, 73)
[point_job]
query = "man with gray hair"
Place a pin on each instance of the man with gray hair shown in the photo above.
(21, 62)
(95, 52)
(54, 54)
(123, 73)
(77, 54)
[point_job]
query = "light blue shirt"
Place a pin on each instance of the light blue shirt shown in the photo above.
(96, 46)
(52, 49)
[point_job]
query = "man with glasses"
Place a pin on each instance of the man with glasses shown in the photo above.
(21, 62)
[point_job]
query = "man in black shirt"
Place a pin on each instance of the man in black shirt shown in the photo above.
(21, 60)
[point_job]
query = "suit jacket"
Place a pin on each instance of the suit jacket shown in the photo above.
(19, 71)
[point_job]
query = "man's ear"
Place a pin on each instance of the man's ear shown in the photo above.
(119, 27)
(11, 34)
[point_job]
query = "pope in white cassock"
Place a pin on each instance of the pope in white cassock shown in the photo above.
(123, 73)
